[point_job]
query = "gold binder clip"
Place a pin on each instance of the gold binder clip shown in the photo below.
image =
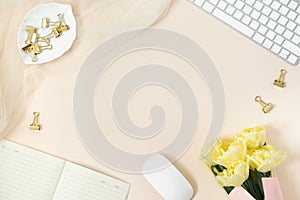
(43, 39)
(61, 19)
(28, 49)
(280, 81)
(46, 23)
(33, 56)
(55, 32)
(31, 31)
(62, 28)
(37, 49)
(266, 106)
(35, 124)
(63, 25)
(34, 38)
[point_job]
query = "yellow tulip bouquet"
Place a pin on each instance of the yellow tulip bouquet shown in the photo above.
(244, 160)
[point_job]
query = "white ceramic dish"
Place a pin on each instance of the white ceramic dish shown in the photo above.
(59, 45)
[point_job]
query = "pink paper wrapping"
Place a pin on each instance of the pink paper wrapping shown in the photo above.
(272, 189)
(239, 193)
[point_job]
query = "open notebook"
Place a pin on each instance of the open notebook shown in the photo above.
(27, 174)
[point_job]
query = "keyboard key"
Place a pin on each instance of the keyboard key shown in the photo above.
(258, 5)
(263, 19)
(255, 14)
(239, 4)
(271, 24)
(262, 29)
(274, 15)
(214, 2)
(292, 15)
(291, 47)
(199, 2)
(283, 20)
(254, 24)
(238, 14)
(247, 9)
(279, 29)
(208, 7)
(293, 5)
(250, 2)
(267, 2)
(230, 10)
(267, 43)
(296, 39)
(258, 38)
(276, 48)
(292, 59)
(283, 10)
(285, 2)
(279, 39)
(246, 20)
(232, 22)
(275, 5)
(291, 25)
(297, 30)
(222, 5)
(283, 55)
(270, 34)
(266, 10)
(231, 1)
(288, 34)
(298, 18)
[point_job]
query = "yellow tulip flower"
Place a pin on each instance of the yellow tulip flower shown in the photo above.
(266, 158)
(235, 174)
(236, 151)
(254, 137)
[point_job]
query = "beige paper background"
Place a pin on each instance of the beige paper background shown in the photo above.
(246, 69)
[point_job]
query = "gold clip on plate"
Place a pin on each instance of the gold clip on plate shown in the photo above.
(43, 39)
(27, 48)
(30, 29)
(62, 28)
(38, 49)
(33, 56)
(46, 23)
(55, 32)
(266, 106)
(280, 81)
(35, 124)
(61, 19)
(34, 38)
(31, 34)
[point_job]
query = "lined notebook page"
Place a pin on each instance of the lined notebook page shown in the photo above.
(26, 174)
(81, 183)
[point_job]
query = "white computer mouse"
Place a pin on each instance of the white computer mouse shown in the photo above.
(167, 180)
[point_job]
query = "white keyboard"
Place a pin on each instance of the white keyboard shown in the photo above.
(273, 24)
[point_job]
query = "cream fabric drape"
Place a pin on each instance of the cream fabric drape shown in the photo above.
(96, 21)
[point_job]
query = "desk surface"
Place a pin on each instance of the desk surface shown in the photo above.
(246, 69)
